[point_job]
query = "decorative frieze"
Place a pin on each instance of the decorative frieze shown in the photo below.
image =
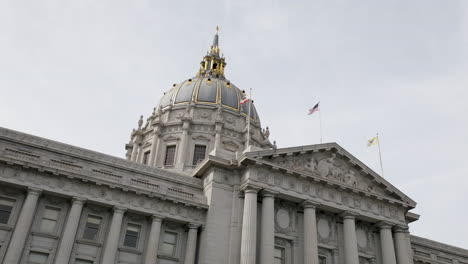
(343, 198)
(101, 194)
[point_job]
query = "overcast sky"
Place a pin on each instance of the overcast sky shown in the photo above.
(81, 72)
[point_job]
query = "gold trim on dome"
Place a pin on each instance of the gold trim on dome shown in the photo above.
(198, 90)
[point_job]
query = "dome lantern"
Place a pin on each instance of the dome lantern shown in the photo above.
(213, 63)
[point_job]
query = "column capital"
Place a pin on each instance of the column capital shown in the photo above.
(384, 225)
(400, 229)
(78, 200)
(372, 260)
(157, 218)
(310, 204)
(335, 251)
(193, 226)
(34, 191)
(251, 189)
(268, 193)
(349, 215)
(118, 209)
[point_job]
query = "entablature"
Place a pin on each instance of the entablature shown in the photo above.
(71, 162)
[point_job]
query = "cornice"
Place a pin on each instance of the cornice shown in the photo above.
(424, 242)
(340, 150)
(60, 159)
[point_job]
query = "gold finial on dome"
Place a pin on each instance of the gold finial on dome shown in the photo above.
(213, 63)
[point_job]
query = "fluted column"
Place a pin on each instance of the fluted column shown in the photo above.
(21, 232)
(191, 248)
(386, 242)
(249, 227)
(350, 241)
(69, 233)
(310, 233)
(153, 240)
(112, 242)
(402, 251)
(267, 238)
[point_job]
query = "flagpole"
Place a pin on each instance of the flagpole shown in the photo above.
(248, 119)
(380, 154)
(320, 120)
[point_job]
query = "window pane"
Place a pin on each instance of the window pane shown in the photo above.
(47, 226)
(52, 214)
(146, 157)
(92, 227)
(131, 235)
(6, 206)
(198, 154)
(170, 237)
(170, 155)
(5, 212)
(37, 257)
(167, 249)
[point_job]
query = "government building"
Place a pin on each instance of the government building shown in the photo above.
(202, 183)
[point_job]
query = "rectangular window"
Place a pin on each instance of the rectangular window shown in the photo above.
(322, 260)
(83, 261)
(169, 243)
(37, 257)
(92, 226)
(279, 256)
(170, 156)
(6, 206)
(49, 220)
(131, 235)
(146, 157)
(198, 154)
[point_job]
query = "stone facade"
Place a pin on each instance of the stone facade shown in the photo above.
(202, 183)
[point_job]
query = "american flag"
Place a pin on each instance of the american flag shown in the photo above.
(314, 109)
(244, 101)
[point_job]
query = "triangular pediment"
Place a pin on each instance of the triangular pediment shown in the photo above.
(332, 163)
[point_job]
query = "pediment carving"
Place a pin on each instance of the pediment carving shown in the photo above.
(328, 166)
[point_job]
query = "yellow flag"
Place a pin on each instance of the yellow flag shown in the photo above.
(373, 141)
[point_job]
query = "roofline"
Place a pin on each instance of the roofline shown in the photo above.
(340, 150)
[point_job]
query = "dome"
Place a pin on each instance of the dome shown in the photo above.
(208, 90)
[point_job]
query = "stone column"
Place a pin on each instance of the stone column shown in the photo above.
(69, 233)
(21, 232)
(112, 242)
(267, 239)
(310, 233)
(151, 253)
(249, 227)
(386, 242)
(335, 256)
(191, 248)
(403, 253)
(136, 148)
(350, 242)
(182, 148)
(154, 145)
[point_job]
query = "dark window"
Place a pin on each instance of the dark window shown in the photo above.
(198, 154)
(322, 260)
(146, 157)
(131, 236)
(279, 255)
(169, 244)
(92, 227)
(6, 206)
(170, 155)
